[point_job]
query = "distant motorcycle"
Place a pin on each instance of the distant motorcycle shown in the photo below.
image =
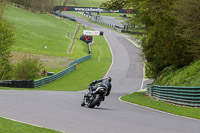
(97, 94)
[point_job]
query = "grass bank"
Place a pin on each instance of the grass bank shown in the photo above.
(186, 76)
(140, 98)
(46, 37)
(42, 34)
(9, 126)
(88, 71)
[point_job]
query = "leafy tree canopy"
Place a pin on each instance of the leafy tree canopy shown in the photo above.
(172, 31)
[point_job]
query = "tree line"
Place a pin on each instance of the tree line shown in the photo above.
(172, 31)
(6, 41)
(36, 5)
(27, 68)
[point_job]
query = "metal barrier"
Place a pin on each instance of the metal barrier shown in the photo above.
(57, 13)
(187, 96)
(71, 67)
(80, 60)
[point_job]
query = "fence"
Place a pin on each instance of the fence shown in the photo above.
(52, 78)
(187, 96)
(18, 83)
(80, 60)
(72, 67)
(57, 13)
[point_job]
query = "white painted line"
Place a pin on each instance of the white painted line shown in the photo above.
(141, 89)
(29, 123)
(143, 78)
(136, 45)
(112, 56)
(155, 110)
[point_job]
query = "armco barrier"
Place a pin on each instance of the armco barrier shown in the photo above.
(71, 67)
(187, 96)
(80, 60)
(17, 83)
(52, 78)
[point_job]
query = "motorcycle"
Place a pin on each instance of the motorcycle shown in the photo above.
(95, 98)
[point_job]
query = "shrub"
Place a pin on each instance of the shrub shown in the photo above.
(6, 42)
(28, 68)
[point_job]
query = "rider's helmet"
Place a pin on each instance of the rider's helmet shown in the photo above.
(109, 79)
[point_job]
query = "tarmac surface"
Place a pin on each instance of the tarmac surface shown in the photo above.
(62, 111)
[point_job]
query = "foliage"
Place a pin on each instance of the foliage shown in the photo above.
(37, 5)
(85, 3)
(172, 27)
(115, 4)
(188, 18)
(28, 69)
(1, 8)
(6, 41)
(185, 76)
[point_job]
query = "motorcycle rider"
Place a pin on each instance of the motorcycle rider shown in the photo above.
(105, 82)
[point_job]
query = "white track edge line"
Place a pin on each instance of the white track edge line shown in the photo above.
(112, 56)
(155, 110)
(143, 78)
(30, 124)
(141, 89)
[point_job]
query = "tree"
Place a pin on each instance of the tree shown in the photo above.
(169, 39)
(36, 5)
(6, 41)
(1, 8)
(187, 15)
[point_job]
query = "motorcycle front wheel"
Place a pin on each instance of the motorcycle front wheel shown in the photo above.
(95, 101)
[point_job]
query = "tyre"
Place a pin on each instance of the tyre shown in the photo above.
(95, 101)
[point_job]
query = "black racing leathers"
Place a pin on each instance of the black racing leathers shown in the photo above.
(103, 83)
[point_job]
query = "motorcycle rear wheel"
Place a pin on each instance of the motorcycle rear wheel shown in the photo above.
(95, 101)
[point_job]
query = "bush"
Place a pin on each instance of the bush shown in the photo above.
(36, 5)
(6, 42)
(28, 69)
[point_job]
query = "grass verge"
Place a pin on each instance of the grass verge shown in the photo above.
(185, 76)
(88, 71)
(42, 34)
(9, 126)
(140, 98)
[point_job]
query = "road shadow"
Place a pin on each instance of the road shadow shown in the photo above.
(99, 108)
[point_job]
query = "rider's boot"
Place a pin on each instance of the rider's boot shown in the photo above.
(83, 103)
(98, 104)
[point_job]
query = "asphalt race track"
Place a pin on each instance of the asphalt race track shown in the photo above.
(62, 111)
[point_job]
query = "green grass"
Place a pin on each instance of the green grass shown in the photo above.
(9, 126)
(186, 76)
(35, 31)
(84, 3)
(87, 72)
(141, 99)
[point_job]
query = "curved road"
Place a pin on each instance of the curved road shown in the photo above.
(62, 111)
